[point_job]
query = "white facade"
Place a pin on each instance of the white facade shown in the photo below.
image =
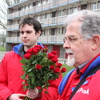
(51, 14)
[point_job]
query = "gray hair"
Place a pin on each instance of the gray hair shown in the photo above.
(90, 25)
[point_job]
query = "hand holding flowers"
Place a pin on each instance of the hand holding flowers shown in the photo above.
(40, 67)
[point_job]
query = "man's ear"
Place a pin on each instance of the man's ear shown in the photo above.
(95, 42)
(39, 33)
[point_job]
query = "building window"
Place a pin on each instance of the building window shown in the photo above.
(74, 9)
(83, 7)
(71, 10)
(49, 1)
(63, 30)
(44, 2)
(26, 7)
(18, 34)
(43, 16)
(59, 30)
(52, 31)
(48, 15)
(60, 12)
(34, 4)
(98, 4)
(66, 12)
(39, 3)
(39, 18)
(44, 32)
(93, 6)
(54, 14)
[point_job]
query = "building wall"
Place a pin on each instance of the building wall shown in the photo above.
(51, 14)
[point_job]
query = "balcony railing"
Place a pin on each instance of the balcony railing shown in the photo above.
(13, 39)
(42, 7)
(12, 27)
(45, 22)
(49, 39)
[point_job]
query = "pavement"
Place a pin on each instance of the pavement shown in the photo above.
(2, 54)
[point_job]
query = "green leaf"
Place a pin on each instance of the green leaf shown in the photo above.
(23, 61)
(46, 92)
(32, 80)
(23, 76)
(29, 70)
(38, 75)
(24, 66)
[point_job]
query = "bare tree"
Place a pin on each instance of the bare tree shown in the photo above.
(3, 11)
(3, 17)
(2, 39)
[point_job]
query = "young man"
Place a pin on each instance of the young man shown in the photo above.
(82, 44)
(11, 87)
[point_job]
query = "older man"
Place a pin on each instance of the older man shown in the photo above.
(82, 44)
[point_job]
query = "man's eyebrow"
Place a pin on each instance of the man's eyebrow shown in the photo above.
(21, 31)
(70, 36)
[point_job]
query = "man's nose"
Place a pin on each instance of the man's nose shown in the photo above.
(24, 34)
(66, 44)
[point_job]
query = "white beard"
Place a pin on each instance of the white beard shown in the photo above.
(70, 61)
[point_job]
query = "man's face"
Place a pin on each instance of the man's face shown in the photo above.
(28, 36)
(78, 49)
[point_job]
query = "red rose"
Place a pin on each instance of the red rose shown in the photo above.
(58, 65)
(55, 59)
(27, 55)
(57, 70)
(38, 47)
(54, 52)
(38, 67)
(51, 67)
(30, 51)
(50, 56)
(45, 49)
(38, 87)
(35, 51)
(63, 70)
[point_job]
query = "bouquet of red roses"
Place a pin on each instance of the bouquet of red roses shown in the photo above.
(40, 67)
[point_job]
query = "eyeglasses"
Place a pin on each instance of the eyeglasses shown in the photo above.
(71, 39)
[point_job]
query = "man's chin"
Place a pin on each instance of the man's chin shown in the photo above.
(25, 44)
(70, 62)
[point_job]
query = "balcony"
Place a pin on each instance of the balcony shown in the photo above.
(13, 40)
(97, 10)
(13, 27)
(49, 39)
(45, 22)
(35, 9)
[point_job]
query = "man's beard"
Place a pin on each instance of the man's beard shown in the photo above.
(70, 61)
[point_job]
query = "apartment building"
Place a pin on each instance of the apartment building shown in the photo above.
(51, 14)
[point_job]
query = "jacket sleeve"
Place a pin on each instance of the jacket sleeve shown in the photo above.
(52, 90)
(5, 92)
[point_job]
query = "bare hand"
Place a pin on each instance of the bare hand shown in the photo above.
(32, 94)
(16, 96)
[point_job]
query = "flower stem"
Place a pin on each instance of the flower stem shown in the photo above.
(26, 98)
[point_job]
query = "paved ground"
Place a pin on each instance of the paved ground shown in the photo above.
(2, 54)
